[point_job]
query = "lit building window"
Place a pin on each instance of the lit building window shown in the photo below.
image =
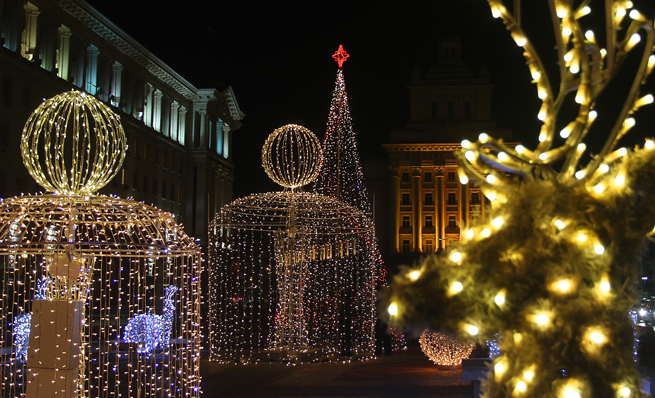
(428, 177)
(406, 222)
(428, 199)
(451, 176)
(404, 176)
(451, 222)
(405, 200)
(428, 246)
(406, 247)
(428, 222)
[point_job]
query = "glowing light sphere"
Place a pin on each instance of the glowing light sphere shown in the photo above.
(292, 156)
(444, 351)
(73, 144)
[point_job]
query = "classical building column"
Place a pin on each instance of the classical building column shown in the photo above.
(29, 41)
(439, 207)
(147, 104)
(92, 70)
(156, 109)
(174, 127)
(181, 130)
(394, 208)
(117, 72)
(417, 208)
(64, 52)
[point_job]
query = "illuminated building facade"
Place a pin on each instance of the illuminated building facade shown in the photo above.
(420, 204)
(179, 136)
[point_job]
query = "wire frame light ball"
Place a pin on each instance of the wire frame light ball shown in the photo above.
(292, 156)
(100, 295)
(443, 350)
(73, 143)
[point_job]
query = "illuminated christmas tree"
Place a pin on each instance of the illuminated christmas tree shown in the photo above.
(341, 176)
(553, 270)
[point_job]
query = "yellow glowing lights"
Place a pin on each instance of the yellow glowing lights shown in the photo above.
(589, 35)
(619, 180)
(604, 286)
(564, 285)
(582, 237)
(597, 337)
(495, 13)
(634, 40)
(536, 75)
(77, 128)
(466, 144)
(604, 168)
(470, 156)
(560, 224)
(625, 392)
(485, 232)
(472, 330)
(645, 100)
(570, 392)
(579, 174)
(599, 188)
(520, 149)
(414, 275)
(392, 310)
(521, 386)
(520, 41)
(497, 222)
(470, 234)
(292, 156)
(528, 375)
(491, 178)
(463, 179)
(499, 368)
(599, 249)
(542, 319)
(456, 256)
(502, 156)
(443, 350)
(456, 287)
(649, 144)
(499, 299)
(483, 137)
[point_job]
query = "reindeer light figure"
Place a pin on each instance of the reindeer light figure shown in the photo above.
(553, 271)
(22, 325)
(150, 330)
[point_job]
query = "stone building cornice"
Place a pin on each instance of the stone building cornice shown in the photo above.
(121, 41)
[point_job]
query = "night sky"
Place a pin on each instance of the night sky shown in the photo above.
(277, 58)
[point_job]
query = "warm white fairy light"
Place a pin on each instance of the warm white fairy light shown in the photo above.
(443, 351)
(497, 222)
(542, 319)
(456, 256)
(105, 260)
(392, 310)
(472, 330)
(414, 275)
(287, 245)
(599, 249)
(499, 299)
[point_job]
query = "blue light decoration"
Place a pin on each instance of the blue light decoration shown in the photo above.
(23, 322)
(492, 345)
(21, 332)
(151, 330)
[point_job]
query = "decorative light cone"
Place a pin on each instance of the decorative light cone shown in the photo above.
(101, 295)
(291, 276)
(444, 351)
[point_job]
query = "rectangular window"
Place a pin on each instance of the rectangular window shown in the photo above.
(451, 222)
(451, 110)
(27, 97)
(467, 109)
(406, 222)
(428, 177)
(428, 199)
(433, 109)
(428, 246)
(428, 222)
(451, 176)
(452, 199)
(405, 176)
(6, 91)
(406, 246)
(405, 200)
(475, 198)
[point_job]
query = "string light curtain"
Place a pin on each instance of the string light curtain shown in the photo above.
(553, 270)
(291, 274)
(79, 268)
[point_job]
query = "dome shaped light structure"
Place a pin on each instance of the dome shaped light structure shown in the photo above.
(444, 351)
(291, 273)
(100, 295)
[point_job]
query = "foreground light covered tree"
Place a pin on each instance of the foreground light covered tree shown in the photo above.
(552, 271)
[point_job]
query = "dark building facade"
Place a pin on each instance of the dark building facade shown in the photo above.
(179, 136)
(420, 205)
